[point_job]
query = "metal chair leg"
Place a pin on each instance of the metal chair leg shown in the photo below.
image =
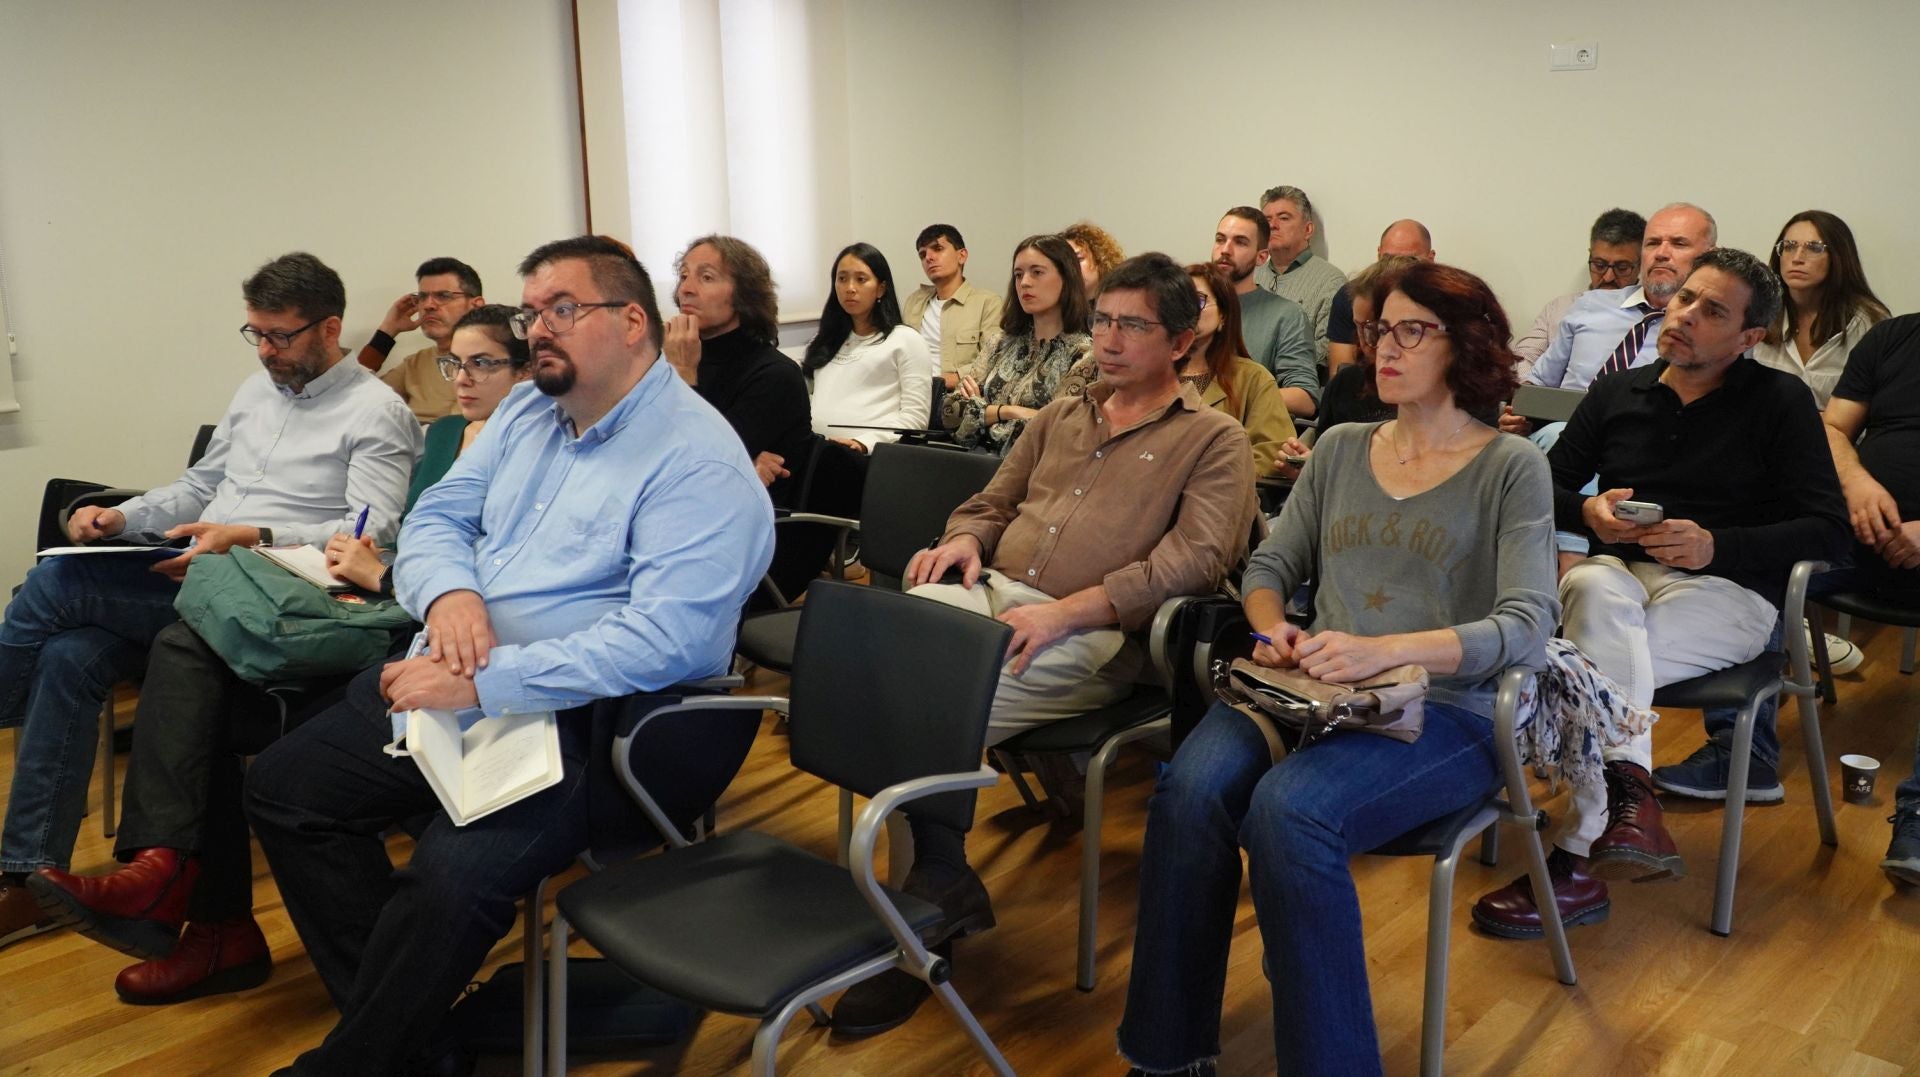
(1012, 766)
(1729, 869)
(1843, 625)
(109, 815)
(1433, 1012)
(846, 828)
(1490, 847)
(1093, 814)
(1822, 661)
(1556, 929)
(1808, 697)
(899, 850)
(557, 996)
(951, 999)
(533, 985)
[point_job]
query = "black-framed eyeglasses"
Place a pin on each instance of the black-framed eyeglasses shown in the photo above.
(1408, 333)
(558, 318)
(1129, 326)
(1618, 269)
(1813, 247)
(439, 297)
(476, 369)
(280, 340)
(1204, 299)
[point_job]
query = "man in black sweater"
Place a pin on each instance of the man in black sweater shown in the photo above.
(1733, 459)
(1873, 428)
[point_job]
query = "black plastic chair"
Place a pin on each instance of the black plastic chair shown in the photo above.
(1872, 607)
(747, 924)
(1745, 687)
(910, 491)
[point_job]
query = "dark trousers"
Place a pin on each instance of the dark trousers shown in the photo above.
(395, 947)
(183, 780)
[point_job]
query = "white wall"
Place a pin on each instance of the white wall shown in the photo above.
(152, 155)
(934, 121)
(1153, 119)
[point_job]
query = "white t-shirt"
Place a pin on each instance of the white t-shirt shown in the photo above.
(874, 381)
(930, 328)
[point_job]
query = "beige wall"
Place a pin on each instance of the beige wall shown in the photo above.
(1153, 123)
(151, 155)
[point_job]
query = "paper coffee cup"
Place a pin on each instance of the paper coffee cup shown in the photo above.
(1857, 773)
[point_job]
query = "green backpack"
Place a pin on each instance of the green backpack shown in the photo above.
(273, 627)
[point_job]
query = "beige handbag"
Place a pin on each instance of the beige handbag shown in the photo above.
(1283, 702)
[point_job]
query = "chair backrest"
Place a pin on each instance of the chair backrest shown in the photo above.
(201, 440)
(870, 709)
(910, 492)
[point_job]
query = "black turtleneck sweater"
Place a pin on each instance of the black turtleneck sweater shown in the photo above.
(760, 391)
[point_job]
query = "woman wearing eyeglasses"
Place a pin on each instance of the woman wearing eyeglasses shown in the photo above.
(1043, 353)
(1829, 305)
(1228, 381)
(1430, 535)
(484, 361)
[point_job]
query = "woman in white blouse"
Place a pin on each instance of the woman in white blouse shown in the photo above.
(864, 368)
(1829, 306)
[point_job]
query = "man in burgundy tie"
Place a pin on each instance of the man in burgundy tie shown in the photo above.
(1606, 331)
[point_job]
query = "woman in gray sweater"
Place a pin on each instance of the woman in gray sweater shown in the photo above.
(1430, 537)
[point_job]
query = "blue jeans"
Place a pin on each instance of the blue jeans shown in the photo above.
(1300, 822)
(78, 625)
(395, 947)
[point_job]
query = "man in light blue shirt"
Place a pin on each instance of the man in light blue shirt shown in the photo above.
(305, 445)
(597, 540)
(1597, 322)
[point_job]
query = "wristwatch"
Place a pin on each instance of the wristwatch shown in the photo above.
(266, 536)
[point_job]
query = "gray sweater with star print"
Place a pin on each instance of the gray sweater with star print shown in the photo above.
(1474, 553)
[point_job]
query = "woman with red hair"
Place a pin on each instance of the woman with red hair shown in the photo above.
(1434, 548)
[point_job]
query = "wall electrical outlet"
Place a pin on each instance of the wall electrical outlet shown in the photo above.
(1573, 56)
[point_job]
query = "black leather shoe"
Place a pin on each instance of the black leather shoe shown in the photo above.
(965, 906)
(884, 1002)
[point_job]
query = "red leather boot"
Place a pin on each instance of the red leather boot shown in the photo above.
(210, 960)
(136, 909)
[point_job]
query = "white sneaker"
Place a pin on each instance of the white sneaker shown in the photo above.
(1842, 655)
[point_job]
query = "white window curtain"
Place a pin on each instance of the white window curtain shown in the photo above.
(719, 116)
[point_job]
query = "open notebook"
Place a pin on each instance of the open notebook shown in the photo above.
(491, 764)
(307, 562)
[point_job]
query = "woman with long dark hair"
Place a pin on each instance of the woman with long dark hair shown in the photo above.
(1228, 381)
(1430, 537)
(1829, 306)
(1044, 351)
(864, 367)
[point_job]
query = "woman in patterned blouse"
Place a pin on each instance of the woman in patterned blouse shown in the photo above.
(1043, 353)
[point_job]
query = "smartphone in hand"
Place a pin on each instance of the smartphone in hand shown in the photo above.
(1640, 513)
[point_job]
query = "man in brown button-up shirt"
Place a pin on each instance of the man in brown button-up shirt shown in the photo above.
(1107, 506)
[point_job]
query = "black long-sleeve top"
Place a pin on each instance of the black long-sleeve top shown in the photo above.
(1748, 462)
(761, 393)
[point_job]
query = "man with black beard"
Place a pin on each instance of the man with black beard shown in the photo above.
(597, 541)
(304, 447)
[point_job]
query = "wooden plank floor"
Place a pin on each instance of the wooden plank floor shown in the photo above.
(1822, 973)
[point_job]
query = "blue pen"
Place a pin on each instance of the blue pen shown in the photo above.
(360, 525)
(1268, 640)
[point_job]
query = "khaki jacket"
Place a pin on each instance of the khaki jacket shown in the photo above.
(967, 321)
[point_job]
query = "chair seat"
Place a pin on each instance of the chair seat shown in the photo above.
(1730, 687)
(1086, 732)
(766, 639)
(1871, 608)
(741, 923)
(1442, 834)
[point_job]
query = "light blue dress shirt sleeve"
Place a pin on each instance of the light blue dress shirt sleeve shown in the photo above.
(380, 461)
(1552, 364)
(436, 553)
(696, 546)
(185, 498)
